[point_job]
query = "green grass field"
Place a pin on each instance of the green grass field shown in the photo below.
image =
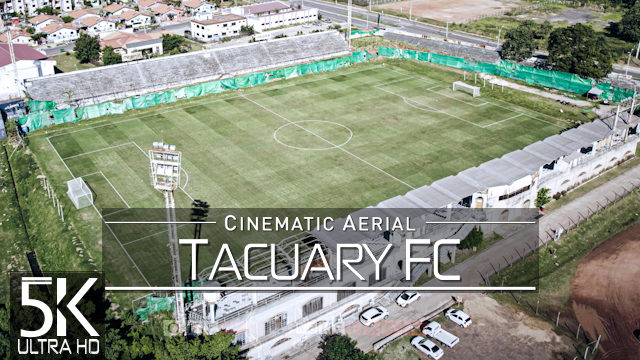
(350, 138)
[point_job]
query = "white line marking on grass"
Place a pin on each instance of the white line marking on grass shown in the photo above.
(98, 150)
(102, 218)
(407, 101)
(114, 189)
(503, 120)
(330, 143)
(275, 136)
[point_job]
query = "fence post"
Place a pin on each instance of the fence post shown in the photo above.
(558, 319)
(578, 332)
(537, 305)
(596, 346)
(586, 351)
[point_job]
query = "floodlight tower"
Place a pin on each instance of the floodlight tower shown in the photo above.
(165, 176)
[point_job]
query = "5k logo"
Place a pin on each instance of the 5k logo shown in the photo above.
(61, 292)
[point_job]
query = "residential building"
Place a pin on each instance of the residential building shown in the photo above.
(217, 27)
(80, 14)
(97, 25)
(41, 21)
(274, 14)
(29, 7)
(164, 12)
(135, 19)
(133, 46)
(17, 37)
(60, 32)
(29, 63)
(116, 9)
(196, 7)
(145, 4)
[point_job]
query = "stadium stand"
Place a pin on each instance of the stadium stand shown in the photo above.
(447, 48)
(135, 78)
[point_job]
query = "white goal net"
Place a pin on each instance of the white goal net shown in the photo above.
(462, 86)
(79, 193)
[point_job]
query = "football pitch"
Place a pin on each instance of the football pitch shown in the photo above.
(350, 138)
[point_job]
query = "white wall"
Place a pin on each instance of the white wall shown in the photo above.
(284, 18)
(102, 26)
(139, 21)
(10, 88)
(221, 30)
(64, 34)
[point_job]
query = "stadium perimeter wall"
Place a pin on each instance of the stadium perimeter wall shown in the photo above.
(141, 77)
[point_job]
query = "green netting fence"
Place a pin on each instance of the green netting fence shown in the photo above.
(552, 79)
(155, 304)
(43, 111)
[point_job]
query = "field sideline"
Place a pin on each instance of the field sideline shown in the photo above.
(350, 138)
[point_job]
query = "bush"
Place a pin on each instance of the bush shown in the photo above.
(110, 57)
(87, 49)
(543, 197)
(473, 239)
(339, 347)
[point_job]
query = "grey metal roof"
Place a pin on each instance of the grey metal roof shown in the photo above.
(399, 202)
(431, 197)
(458, 187)
(545, 151)
(525, 160)
(503, 168)
(581, 136)
(569, 146)
(481, 176)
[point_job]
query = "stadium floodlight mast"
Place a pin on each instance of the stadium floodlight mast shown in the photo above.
(165, 176)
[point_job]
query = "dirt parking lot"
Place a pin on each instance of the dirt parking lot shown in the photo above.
(497, 332)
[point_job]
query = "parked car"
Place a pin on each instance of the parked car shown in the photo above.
(434, 330)
(373, 315)
(427, 346)
(406, 298)
(459, 317)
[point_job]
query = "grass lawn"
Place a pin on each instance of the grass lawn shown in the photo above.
(556, 273)
(397, 123)
(66, 62)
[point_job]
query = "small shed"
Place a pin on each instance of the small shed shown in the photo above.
(594, 93)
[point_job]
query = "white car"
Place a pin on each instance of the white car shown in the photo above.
(434, 330)
(406, 298)
(373, 315)
(459, 317)
(427, 347)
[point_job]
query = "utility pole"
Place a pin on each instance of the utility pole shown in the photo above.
(626, 70)
(446, 34)
(499, 33)
(410, 9)
(638, 49)
(349, 24)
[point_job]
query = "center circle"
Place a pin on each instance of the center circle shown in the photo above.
(320, 135)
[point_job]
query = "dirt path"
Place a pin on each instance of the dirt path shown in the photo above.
(606, 294)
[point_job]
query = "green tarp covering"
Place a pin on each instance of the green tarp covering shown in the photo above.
(37, 120)
(36, 105)
(552, 79)
(64, 115)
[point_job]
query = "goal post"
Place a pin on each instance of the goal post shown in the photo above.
(462, 86)
(79, 193)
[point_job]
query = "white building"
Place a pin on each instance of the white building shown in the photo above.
(29, 63)
(41, 21)
(216, 27)
(17, 37)
(134, 19)
(57, 32)
(274, 14)
(116, 9)
(29, 7)
(196, 7)
(96, 25)
(132, 46)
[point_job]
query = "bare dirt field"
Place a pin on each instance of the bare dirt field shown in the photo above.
(606, 294)
(497, 332)
(457, 11)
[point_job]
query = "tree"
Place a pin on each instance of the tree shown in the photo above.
(247, 29)
(174, 44)
(4, 332)
(473, 239)
(38, 36)
(110, 57)
(339, 347)
(47, 10)
(522, 41)
(67, 19)
(629, 26)
(580, 50)
(543, 197)
(30, 30)
(87, 48)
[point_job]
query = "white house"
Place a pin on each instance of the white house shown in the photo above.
(196, 7)
(41, 21)
(216, 27)
(29, 63)
(274, 14)
(29, 7)
(116, 9)
(97, 25)
(57, 32)
(132, 46)
(134, 19)
(17, 37)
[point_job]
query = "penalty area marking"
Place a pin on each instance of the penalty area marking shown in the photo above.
(297, 124)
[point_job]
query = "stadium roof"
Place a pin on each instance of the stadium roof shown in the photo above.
(399, 202)
(487, 179)
(525, 160)
(431, 197)
(545, 151)
(458, 187)
(21, 52)
(581, 136)
(564, 143)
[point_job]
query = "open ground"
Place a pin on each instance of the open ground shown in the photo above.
(458, 11)
(351, 138)
(605, 294)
